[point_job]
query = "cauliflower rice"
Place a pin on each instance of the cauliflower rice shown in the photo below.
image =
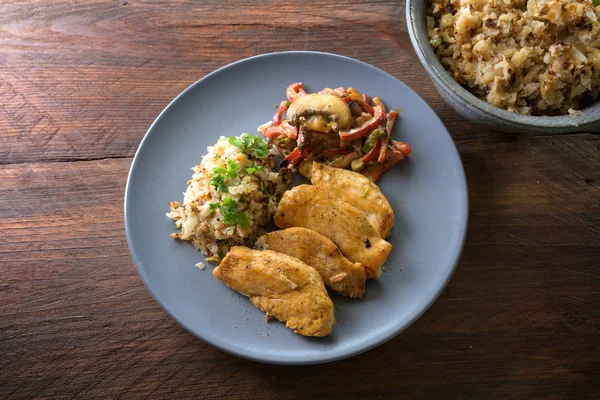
(232, 194)
(539, 57)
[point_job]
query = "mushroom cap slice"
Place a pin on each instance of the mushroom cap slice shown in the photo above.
(323, 112)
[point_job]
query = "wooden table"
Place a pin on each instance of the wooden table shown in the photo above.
(81, 81)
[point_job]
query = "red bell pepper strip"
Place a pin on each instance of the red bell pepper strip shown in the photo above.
(294, 157)
(402, 147)
(272, 132)
(292, 131)
(278, 117)
(391, 120)
(289, 131)
(389, 126)
(382, 152)
(373, 154)
(295, 90)
(284, 129)
(393, 157)
(365, 129)
(297, 154)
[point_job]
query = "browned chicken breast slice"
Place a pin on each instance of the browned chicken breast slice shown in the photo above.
(312, 207)
(282, 286)
(314, 249)
(357, 190)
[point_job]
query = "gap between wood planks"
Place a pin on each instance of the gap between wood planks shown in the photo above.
(67, 160)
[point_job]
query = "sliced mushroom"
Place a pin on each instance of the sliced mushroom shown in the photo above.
(320, 112)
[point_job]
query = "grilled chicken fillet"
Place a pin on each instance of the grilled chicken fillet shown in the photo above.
(282, 286)
(314, 208)
(357, 190)
(314, 249)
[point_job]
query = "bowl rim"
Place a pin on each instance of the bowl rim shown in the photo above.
(588, 118)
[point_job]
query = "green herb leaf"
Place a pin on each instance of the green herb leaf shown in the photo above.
(230, 213)
(596, 2)
(253, 169)
(242, 220)
(218, 181)
(219, 175)
(229, 202)
(213, 206)
(250, 144)
(219, 170)
(232, 168)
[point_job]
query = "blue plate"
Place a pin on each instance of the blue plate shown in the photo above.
(428, 193)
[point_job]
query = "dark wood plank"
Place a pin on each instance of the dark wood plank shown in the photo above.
(84, 80)
(519, 319)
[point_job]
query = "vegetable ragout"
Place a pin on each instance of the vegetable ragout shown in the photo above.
(339, 127)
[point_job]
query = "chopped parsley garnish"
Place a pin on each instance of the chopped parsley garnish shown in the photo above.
(232, 168)
(250, 144)
(218, 181)
(220, 174)
(230, 213)
(253, 169)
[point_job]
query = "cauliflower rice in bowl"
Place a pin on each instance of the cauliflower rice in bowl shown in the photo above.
(232, 194)
(532, 57)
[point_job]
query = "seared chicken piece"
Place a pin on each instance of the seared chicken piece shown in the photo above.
(314, 249)
(312, 207)
(282, 286)
(305, 168)
(357, 190)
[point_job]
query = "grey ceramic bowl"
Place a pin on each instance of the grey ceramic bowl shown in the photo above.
(477, 110)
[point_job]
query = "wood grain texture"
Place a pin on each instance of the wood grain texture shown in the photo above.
(80, 82)
(104, 69)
